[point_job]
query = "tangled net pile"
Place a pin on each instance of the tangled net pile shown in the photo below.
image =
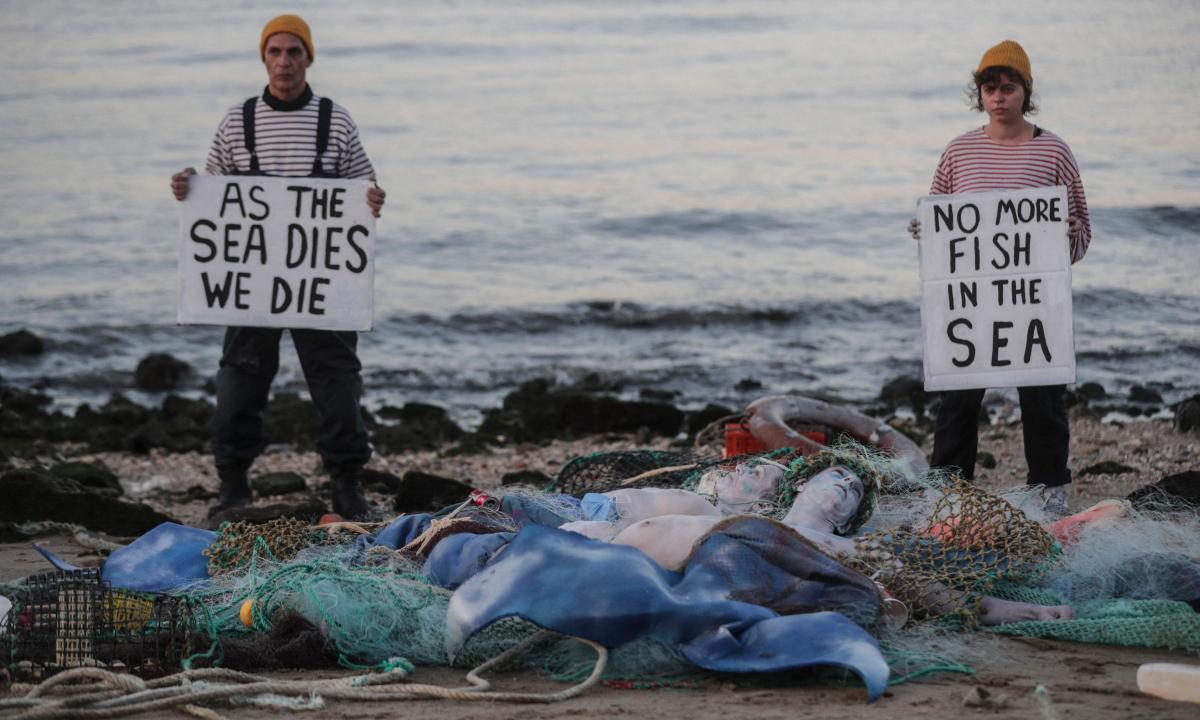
(932, 541)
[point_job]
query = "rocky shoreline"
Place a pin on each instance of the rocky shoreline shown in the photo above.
(122, 467)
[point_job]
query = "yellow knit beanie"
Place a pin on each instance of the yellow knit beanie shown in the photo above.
(1008, 54)
(292, 24)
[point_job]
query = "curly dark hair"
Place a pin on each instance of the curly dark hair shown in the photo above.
(996, 74)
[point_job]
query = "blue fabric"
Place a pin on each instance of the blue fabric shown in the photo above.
(612, 594)
(55, 560)
(163, 559)
(399, 533)
(824, 638)
(769, 564)
(597, 506)
(456, 558)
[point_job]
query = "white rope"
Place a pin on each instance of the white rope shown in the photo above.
(81, 535)
(59, 696)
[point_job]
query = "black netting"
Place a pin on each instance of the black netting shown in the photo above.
(603, 472)
(62, 620)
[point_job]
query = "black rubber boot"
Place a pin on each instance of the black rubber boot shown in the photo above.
(347, 495)
(235, 489)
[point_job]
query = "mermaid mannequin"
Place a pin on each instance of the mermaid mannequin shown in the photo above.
(826, 507)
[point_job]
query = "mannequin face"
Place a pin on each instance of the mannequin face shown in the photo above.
(828, 501)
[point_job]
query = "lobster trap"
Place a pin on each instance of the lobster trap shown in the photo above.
(69, 619)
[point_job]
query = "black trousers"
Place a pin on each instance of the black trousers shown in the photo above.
(1043, 422)
(332, 370)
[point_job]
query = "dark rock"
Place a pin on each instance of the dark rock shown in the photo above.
(423, 492)
(290, 419)
(534, 478)
(199, 492)
(420, 427)
(379, 481)
(21, 402)
(986, 459)
(21, 342)
(1180, 491)
(747, 384)
(277, 483)
(656, 395)
(905, 391)
(147, 437)
(413, 412)
(90, 475)
(1141, 394)
(1130, 410)
(595, 383)
(22, 448)
(700, 419)
(109, 438)
(306, 508)
(1090, 391)
(538, 411)
(470, 445)
(123, 412)
(10, 534)
(1187, 414)
(160, 371)
(198, 412)
(34, 495)
(13, 425)
(1107, 467)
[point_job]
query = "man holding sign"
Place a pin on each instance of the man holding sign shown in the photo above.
(286, 132)
(996, 275)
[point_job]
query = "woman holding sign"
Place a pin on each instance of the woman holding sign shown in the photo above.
(1010, 153)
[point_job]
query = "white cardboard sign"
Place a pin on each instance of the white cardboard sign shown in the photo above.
(276, 252)
(996, 289)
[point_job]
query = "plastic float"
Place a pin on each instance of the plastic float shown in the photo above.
(1170, 681)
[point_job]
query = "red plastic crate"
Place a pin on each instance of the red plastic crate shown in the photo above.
(739, 440)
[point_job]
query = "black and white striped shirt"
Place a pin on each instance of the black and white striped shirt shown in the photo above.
(286, 140)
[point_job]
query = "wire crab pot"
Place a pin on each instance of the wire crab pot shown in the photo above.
(68, 619)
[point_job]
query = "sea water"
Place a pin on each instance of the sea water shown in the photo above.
(671, 196)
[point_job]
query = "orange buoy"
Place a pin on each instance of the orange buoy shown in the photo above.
(247, 613)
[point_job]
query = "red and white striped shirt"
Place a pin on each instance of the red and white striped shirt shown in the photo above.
(973, 162)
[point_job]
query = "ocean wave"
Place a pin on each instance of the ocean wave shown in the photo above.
(1158, 219)
(691, 223)
(615, 314)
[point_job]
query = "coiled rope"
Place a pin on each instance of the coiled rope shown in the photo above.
(89, 692)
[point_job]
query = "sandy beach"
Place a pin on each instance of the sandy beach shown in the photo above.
(1097, 682)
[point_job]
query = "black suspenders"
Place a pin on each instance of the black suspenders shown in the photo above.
(324, 122)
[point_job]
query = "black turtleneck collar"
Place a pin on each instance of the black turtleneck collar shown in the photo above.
(289, 106)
